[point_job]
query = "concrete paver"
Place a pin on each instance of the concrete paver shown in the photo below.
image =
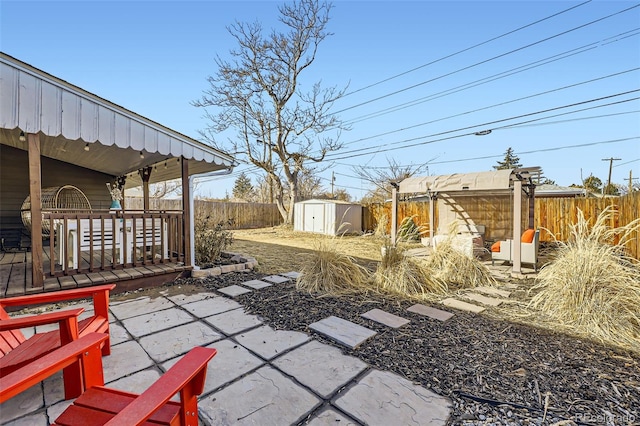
(256, 284)
(292, 274)
(386, 318)
(492, 291)
(264, 397)
(25, 402)
(463, 306)
(231, 362)
(215, 305)
(430, 312)
(118, 334)
(276, 279)
(269, 343)
(126, 358)
(342, 331)
(137, 382)
(384, 398)
(183, 299)
(139, 306)
(329, 417)
(320, 367)
(234, 290)
(156, 321)
(234, 321)
(488, 301)
(179, 340)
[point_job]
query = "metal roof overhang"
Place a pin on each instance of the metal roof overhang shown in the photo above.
(68, 118)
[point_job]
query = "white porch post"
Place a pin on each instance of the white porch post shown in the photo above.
(394, 214)
(432, 219)
(517, 226)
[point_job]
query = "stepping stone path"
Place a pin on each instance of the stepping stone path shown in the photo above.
(256, 284)
(489, 301)
(292, 274)
(385, 318)
(342, 331)
(276, 279)
(233, 290)
(463, 306)
(492, 291)
(430, 312)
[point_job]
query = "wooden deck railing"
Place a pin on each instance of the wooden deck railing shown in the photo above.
(96, 241)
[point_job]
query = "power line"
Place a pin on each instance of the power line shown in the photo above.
(254, 169)
(627, 162)
(466, 49)
(499, 76)
(487, 124)
(495, 105)
(487, 60)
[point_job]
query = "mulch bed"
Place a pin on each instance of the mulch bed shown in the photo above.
(494, 371)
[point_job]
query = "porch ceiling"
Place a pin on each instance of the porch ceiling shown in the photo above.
(68, 118)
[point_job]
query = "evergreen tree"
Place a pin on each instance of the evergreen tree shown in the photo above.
(511, 161)
(242, 188)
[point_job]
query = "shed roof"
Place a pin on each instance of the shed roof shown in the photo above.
(495, 181)
(68, 118)
(326, 201)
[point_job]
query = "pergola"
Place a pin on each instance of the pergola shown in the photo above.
(498, 182)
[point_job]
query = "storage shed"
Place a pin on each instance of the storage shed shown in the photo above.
(330, 217)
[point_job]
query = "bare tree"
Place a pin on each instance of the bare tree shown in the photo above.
(279, 127)
(381, 178)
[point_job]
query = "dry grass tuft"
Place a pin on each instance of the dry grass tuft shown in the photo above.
(381, 227)
(403, 275)
(591, 285)
(327, 271)
(454, 267)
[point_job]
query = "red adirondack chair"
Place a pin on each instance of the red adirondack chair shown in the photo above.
(16, 351)
(80, 360)
(103, 406)
(98, 322)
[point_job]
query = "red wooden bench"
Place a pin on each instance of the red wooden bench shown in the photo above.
(81, 360)
(98, 322)
(103, 406)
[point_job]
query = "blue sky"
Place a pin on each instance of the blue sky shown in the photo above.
(153, 58)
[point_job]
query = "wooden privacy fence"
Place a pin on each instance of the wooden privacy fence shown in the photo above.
(553, 214)
(242, 215)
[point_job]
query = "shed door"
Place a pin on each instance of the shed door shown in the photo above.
(314, 218)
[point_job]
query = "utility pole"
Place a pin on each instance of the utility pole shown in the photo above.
(333, 179)
(610, 160)
(631, 179)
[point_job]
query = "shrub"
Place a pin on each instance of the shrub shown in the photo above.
(211, 239)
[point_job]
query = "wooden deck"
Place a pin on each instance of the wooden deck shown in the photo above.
(16, 280)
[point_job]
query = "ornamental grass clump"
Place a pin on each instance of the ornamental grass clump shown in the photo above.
(327, 271)
(591, 285)
(404, 275)
(450, 264)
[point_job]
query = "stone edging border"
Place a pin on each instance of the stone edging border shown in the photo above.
(243, 263)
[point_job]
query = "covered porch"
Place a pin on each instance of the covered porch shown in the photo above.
(56, 135)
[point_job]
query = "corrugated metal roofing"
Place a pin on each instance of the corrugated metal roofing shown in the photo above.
(68, 117)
